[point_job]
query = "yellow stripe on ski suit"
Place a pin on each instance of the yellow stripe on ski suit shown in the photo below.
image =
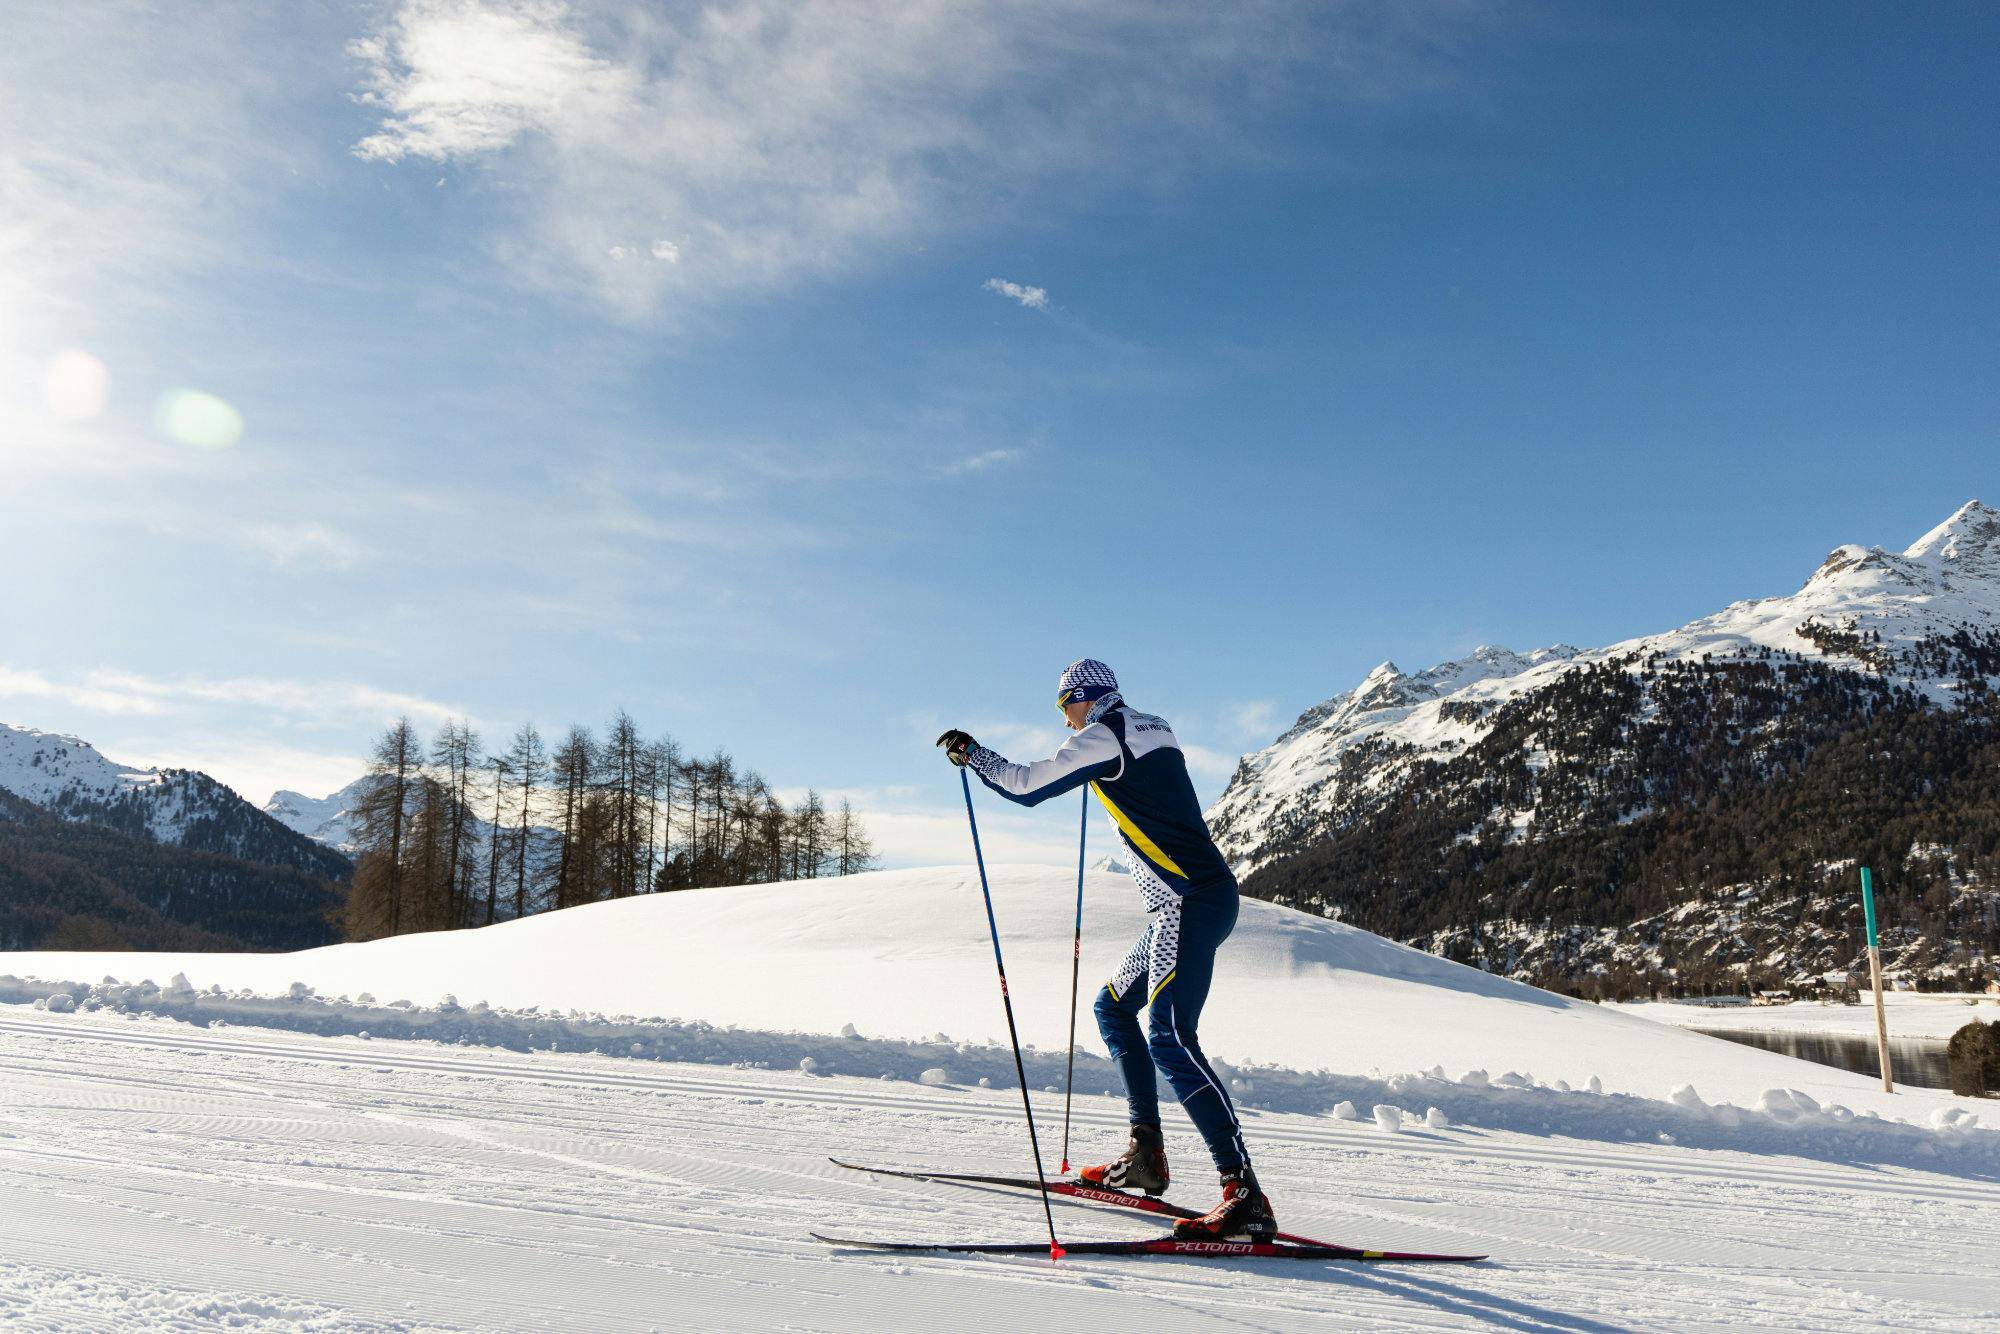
(1138, 835)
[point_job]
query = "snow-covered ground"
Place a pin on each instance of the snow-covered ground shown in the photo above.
(1911, 1015)
(154, 1175)
(154, 1171)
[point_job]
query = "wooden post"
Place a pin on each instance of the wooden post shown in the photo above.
(1875, 971)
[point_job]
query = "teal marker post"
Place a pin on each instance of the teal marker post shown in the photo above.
(1868, 907)
(1875, 972)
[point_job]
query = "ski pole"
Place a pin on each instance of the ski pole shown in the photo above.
(1075, 967)
(1007, 1003)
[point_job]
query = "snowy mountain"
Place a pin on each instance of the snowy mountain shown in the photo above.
(1404, 795)
(49, 769)
(328, 820)
(69, 778)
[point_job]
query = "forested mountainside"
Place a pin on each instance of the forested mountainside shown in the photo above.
(97, 854)
(195, 812)
(76, 884)
(69, 778)
(1683, 812)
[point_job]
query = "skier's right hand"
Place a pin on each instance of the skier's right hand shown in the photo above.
(957, 745)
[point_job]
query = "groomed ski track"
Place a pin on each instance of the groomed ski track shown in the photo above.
(158, 1176)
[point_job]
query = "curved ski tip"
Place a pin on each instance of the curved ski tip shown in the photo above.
(844, 1243)
(853, 1167)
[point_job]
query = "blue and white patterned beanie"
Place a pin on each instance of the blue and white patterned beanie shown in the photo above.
(1085, 679)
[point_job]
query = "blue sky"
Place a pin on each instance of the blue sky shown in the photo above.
(805, 379)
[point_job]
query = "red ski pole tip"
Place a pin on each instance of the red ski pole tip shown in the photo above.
(1056, 1252)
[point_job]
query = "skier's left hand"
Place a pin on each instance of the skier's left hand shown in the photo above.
(957, 745)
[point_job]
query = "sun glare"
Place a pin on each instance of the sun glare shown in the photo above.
(76, 384)
(199, 419)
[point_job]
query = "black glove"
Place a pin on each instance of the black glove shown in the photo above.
(957, 745)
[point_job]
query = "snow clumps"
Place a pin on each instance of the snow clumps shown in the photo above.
(1787, 1104)
(1948, 1119)
(1683, 1095)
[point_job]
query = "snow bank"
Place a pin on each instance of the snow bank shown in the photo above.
(1780, 1120)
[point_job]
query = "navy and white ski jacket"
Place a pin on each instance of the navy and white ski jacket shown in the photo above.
(1134, 764)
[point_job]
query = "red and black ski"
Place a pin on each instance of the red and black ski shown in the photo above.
(1083, 1190)
(1216, 1250)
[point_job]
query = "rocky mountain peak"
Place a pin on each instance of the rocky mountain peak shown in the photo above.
(1967, 543)
(1965, 546)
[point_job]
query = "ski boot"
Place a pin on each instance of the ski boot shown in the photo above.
(1244, 1214)
(1141, 1169)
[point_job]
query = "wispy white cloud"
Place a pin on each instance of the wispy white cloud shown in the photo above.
(662, 157)
(1254, 718)
(124, 693)
(1034, 298)
(16, 684)
(989, 458)
(1211, 766)
(1020, 742)
(309, 544)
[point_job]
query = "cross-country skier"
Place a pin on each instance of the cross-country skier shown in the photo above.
(1135, 766)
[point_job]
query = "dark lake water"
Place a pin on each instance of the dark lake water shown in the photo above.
(1915, 1061)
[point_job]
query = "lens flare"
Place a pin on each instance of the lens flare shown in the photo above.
(76, 384)
(199, 419)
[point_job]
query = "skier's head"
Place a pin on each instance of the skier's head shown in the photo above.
(1083, 683)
